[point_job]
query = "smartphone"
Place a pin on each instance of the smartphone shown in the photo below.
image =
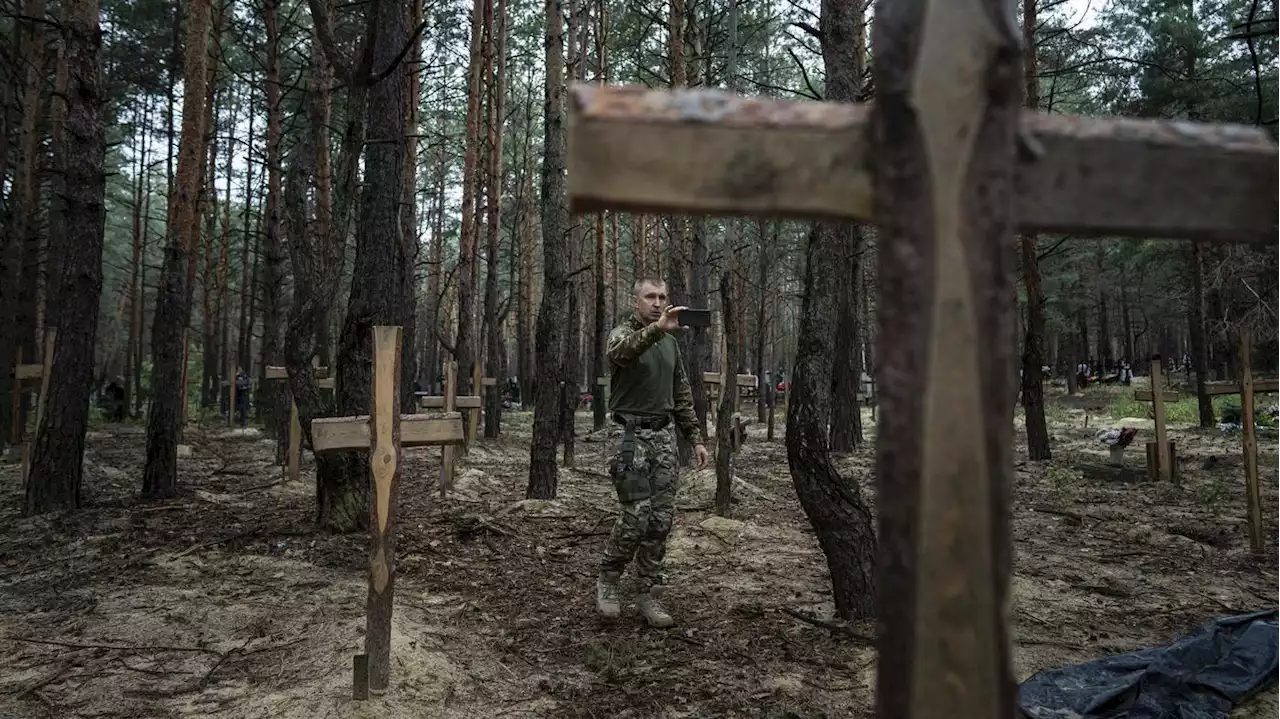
(695, 318)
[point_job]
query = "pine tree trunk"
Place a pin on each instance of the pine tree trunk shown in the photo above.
(543, 475)
(57, 463)
(571, 370)
(430, 368)
(269, 394)
(242, 336)
(1032, 381)
(833, 505)
(1199, 348)
(725, 429)
(524, 309)
(765, 387)
(409, 278)
(23, 221)
(464, 351)
(173, 299)
(846, 416)
(143, 175)
(495, 359)
(376, 286)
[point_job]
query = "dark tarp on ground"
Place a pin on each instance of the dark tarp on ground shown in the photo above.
(1200, 676)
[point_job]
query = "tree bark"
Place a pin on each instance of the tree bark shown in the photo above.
(764, 387)
(846, 416)
(23, 223)
(834, 506)
(1199, 348)
(495, 359)
(725, 427)
(269, 394)
(57, 463)
(571, 369)
(1033, 343)
(409, 246)
(134, 347)
(543, 474)
(173, 300)
(376, 285)
(464, 351)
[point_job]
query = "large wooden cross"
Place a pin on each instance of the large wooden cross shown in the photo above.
(948, 166)
(383, 433)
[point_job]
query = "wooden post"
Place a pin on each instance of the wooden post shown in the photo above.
(15, 397)
(182, 415)
(384, 432)
(1163, 453)
(46, 370)
(473, 420)
(448, 454)
(293, 452)
(1250, 442)
(384, 443)
(293, 455)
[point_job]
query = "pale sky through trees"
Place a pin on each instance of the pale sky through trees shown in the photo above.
(1084, 11)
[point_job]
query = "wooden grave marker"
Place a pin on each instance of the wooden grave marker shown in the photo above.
(474, 403)
(1162, 457)
(948, 166)
(293, 452)
(1247, 387)
(22, 373)
(384, 432)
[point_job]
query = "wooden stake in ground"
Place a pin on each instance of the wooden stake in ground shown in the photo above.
(293, 452)
(1250, 442)
(1159, 453)
(947, 165)
(384, 432)
(41, 372)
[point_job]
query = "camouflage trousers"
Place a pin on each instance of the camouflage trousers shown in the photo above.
(640, 531)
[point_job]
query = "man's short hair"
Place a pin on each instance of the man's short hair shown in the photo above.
(635, 287)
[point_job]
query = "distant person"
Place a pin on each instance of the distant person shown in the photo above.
(244, 385)
(113, 400)
(648, 387)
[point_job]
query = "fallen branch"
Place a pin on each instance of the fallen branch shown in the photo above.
(833, 627)
(137, 649)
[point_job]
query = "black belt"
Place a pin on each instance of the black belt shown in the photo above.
(629, 433)
(649, 423)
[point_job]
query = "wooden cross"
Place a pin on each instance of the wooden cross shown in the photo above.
(293, 453)
(23, 372)
(948, 166)
(383, 432)
(450, 402)
(1160, 454)
(472, 402)
(1247, 387)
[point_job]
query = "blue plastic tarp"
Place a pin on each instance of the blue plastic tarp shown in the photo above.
(1200, 676)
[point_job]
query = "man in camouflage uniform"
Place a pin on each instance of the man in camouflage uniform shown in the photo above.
(648, 386)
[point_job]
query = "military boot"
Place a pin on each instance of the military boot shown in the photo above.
(650, 605)
(607, 595)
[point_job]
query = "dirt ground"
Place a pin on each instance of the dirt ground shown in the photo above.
(227, 601)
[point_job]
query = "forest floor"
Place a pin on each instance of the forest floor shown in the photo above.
(228, 602)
